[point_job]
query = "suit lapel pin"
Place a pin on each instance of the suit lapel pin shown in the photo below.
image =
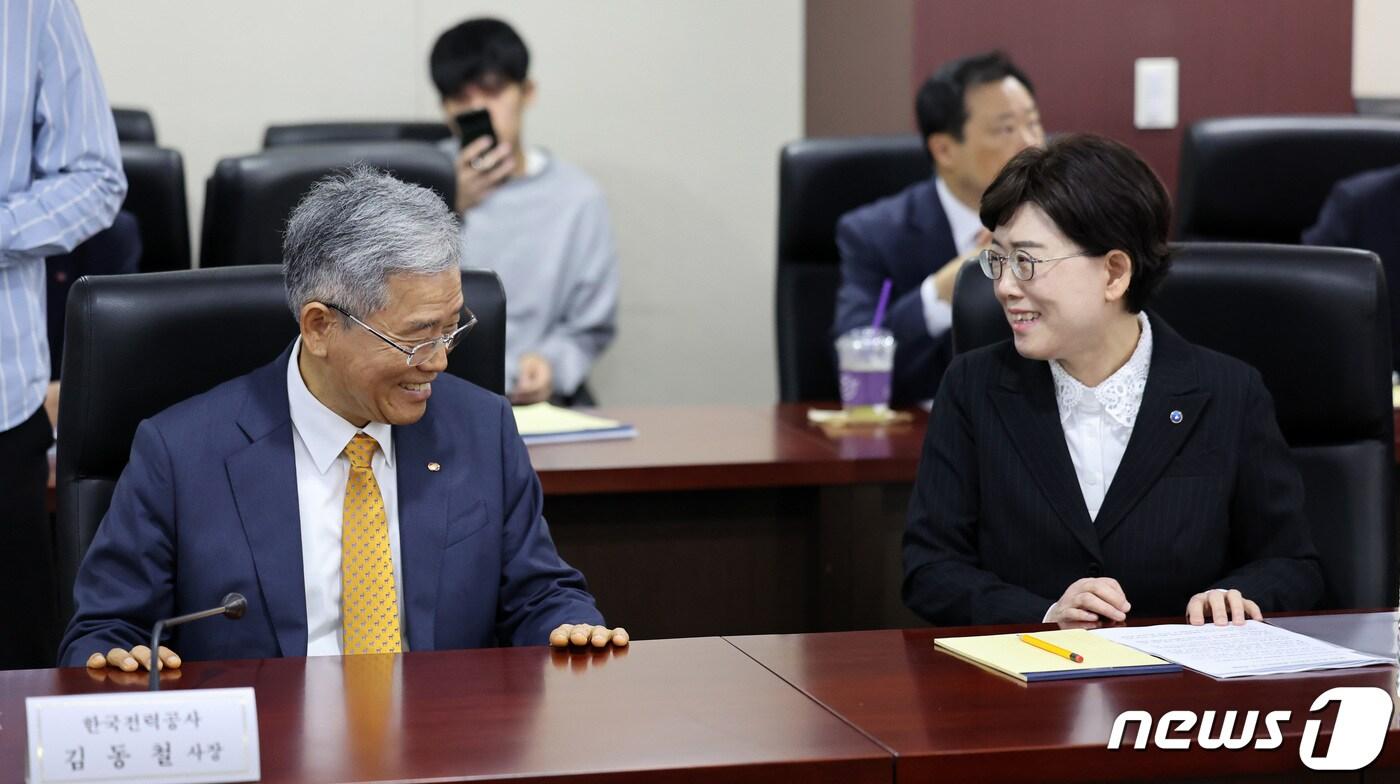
(1175, 417)
(435, 467)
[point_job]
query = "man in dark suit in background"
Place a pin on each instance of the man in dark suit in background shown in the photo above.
(354, 513)
(1363, 211)
(975, 114)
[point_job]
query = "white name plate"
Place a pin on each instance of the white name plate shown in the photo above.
(193, 735)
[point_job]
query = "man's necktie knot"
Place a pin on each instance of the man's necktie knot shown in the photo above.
(360, 450)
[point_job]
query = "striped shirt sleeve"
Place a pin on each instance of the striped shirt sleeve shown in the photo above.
(72, 184)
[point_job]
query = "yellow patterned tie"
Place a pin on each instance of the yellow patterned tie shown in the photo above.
(368, 599)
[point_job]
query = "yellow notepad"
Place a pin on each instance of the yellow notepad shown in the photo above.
(543, 423)
(1007, 654)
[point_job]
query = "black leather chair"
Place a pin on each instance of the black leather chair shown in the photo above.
(321, 133)
(134, 125)
(155, 195)
(819, 180)
(1315, 322)
(1264, 179)
(249, 198)
(137, 344)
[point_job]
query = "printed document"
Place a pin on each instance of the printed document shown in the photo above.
(1238, 651)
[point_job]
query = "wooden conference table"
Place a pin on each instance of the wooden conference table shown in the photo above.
(946, 720)
(842, 707)
(735, 519)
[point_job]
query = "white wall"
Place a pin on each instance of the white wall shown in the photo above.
(1375, 59)
(678, 108)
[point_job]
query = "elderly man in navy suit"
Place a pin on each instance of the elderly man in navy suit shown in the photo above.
(975, 114)
(361, 499)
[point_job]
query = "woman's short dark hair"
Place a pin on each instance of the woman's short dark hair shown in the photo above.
(1100, 194)
(478, 51)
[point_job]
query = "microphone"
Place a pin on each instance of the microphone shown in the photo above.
(233, 606)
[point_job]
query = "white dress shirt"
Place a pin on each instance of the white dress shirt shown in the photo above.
(1098, 421)
(965, 225)
(319, 436)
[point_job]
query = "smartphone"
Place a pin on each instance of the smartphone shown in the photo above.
(473, 125)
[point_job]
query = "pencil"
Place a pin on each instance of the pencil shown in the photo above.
(1055, 649)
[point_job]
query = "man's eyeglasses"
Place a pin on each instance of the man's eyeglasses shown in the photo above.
(422, 352)
(1022, 262)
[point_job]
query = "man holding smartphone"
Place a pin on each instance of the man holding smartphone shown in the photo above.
(539, 222)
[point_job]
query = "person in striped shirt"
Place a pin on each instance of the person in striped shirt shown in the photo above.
(61, 182)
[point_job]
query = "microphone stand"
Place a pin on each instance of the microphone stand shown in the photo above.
(233, 606)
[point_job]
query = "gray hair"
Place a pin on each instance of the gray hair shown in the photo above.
(357, 227)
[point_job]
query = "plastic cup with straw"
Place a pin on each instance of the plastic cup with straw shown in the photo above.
(866, 359)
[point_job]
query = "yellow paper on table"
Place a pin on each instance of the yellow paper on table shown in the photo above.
(544, 423)
(1006, 653)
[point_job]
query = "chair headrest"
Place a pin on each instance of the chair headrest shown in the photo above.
(156, 196)
(320, 133)
(1264, 179)
(134, 125)
(822, 179)
(250, 197)
(137, 344)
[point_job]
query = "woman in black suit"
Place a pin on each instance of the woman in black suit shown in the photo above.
(1098, 464)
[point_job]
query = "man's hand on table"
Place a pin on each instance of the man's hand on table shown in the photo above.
(128, 661)
(579, 634)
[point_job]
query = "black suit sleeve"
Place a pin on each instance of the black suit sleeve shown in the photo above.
(943, 579)
(1334, 223)
(1269, 536)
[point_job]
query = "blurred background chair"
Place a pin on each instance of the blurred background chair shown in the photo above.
(134, 125)
(249, 198)
(379, 131)
(155, 196)
(819, 180)
(1315, 323)
(115, 250)
(1264, 179)
(151, 233)
(141, 343)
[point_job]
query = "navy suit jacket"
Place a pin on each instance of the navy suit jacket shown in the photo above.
(1364, 212)
(208, 505)
(905, 238)
(998, 528)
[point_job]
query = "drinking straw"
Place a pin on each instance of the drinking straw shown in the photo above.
(880, 307)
